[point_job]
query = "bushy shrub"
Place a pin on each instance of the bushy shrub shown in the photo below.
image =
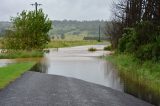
(108, 48)
(143, 41)
(146, 32)
(92, 49)
(29, 31)
(128, 41)
(156, 49)
(144, 52)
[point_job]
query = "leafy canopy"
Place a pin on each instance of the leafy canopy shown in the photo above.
(29, 31)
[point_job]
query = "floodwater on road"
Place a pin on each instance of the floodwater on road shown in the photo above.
(78, 62)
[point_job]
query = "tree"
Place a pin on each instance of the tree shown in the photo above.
(29, 31)
(136, 28)
(128, 13)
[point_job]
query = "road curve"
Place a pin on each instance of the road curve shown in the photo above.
(37, 89)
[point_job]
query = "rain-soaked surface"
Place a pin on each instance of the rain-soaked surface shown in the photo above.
(78, 62)
(5, 62)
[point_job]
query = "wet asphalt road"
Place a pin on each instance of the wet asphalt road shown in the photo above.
(36, 89)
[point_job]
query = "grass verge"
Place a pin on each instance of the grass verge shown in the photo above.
(146, 74)
(11, 72)
(62, 43)
(21, 54)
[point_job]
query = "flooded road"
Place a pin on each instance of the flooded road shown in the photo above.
(78, 62)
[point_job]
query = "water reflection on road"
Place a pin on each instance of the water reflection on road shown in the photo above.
(5, 62)
(77, 62)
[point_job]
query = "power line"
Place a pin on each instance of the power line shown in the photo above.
(36, 6)
(99, 33)
(36, 9)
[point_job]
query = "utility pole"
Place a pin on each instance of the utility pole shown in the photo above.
(99, 40)
(36, 6)
(36, 9)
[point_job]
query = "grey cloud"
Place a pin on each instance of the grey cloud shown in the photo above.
(60, 9)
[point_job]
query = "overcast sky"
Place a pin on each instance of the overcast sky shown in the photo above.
(60, 9)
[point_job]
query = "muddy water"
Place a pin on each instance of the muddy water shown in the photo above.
(5, 62)
(77, 62)
(89, 69)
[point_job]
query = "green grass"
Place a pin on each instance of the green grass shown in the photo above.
(21, 54)
(63, 43)
(11, 72)
(73, 37)
(145, 73)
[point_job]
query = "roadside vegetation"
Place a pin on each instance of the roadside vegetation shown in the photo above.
(27, 36)
(108, 48)
(12, 54)
(10, 72)
(30, 31)
(145, 73)
(65, 43)
(92, 49)
(135, 36)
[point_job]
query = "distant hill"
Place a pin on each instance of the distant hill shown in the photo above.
(3, 26)
(76, 28)
(69, 28)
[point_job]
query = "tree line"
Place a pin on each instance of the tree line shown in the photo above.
(135, 28)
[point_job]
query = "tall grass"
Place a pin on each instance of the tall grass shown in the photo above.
(145, 73)
(21, 54)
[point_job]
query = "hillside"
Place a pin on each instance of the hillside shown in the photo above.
(69, 29)
(76, 28)
(3, 26)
